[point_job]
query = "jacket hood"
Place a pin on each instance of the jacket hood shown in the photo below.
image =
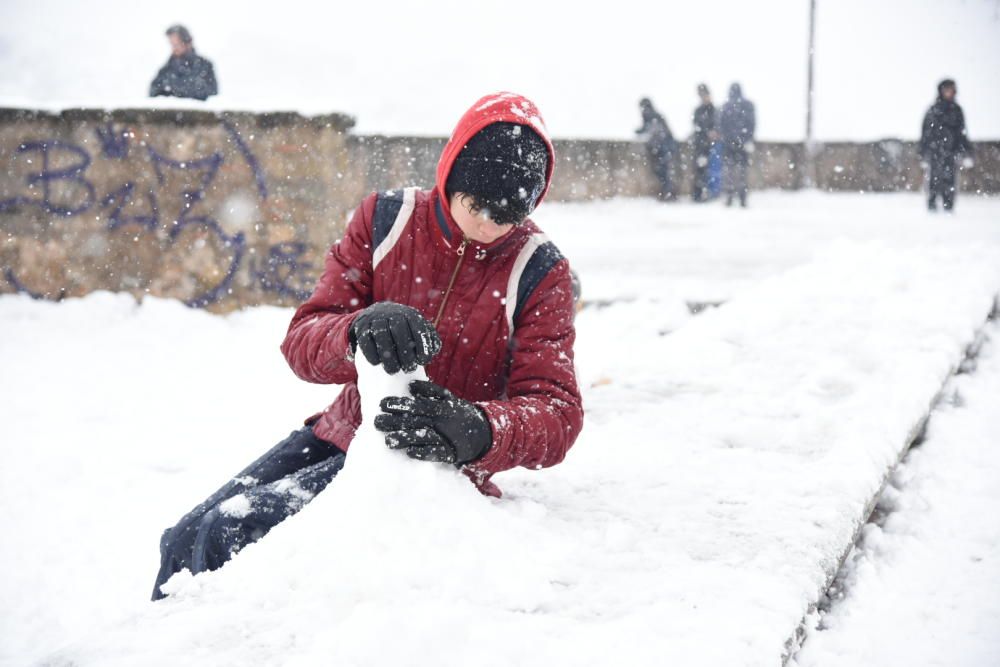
(502, 107)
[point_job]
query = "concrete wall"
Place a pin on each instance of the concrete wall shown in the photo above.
(215, 210)
(597, 169)
(227, 210)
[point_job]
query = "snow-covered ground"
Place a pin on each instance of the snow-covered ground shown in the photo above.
(877, 64)
(725, 459)
(924, 586)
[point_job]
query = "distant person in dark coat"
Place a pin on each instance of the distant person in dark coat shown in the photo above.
(660, 147)
(942, 140)
(186, 74)
(705, 135)
(737, 124)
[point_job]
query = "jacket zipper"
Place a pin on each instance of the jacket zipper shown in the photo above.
(461, 256)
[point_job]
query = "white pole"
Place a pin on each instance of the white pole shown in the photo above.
(808, 166)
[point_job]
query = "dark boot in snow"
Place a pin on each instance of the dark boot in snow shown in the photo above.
(948, 200)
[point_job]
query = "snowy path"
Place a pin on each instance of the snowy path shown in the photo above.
(922, 588)
(719, 477)
(641, 249)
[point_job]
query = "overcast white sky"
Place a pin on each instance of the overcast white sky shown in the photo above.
(404, 67)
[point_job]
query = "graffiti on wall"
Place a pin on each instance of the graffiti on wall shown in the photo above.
(58, 185)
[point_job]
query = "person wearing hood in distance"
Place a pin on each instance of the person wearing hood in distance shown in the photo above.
(186, 74)
(942, 139)
(455, 278)
(660, 147)
(737, 124)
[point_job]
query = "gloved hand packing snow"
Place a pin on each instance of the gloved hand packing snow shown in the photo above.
(395, 336)
(435, 425)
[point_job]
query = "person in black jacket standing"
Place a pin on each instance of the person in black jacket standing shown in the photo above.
(737, 124)
(942, 140)
(186, 74)
(660, 146)
(704, 137)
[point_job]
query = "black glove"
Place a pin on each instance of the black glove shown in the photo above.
(435, 425)
(395, 336)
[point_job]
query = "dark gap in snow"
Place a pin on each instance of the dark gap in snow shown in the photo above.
(885, 501)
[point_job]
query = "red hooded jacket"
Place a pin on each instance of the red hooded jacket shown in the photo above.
(504, 311)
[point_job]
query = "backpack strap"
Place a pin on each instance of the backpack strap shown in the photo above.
(393, 209)
(533, 263)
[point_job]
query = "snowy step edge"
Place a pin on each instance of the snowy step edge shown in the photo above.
(694, 307)
(916, 433)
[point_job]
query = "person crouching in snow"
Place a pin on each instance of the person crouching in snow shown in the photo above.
(457, 279)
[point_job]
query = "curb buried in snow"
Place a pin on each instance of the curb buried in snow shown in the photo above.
(794, 643)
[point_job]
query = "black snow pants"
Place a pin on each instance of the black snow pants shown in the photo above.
(264, 494)
(941, 183)
(735, 161)
(660, 158)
